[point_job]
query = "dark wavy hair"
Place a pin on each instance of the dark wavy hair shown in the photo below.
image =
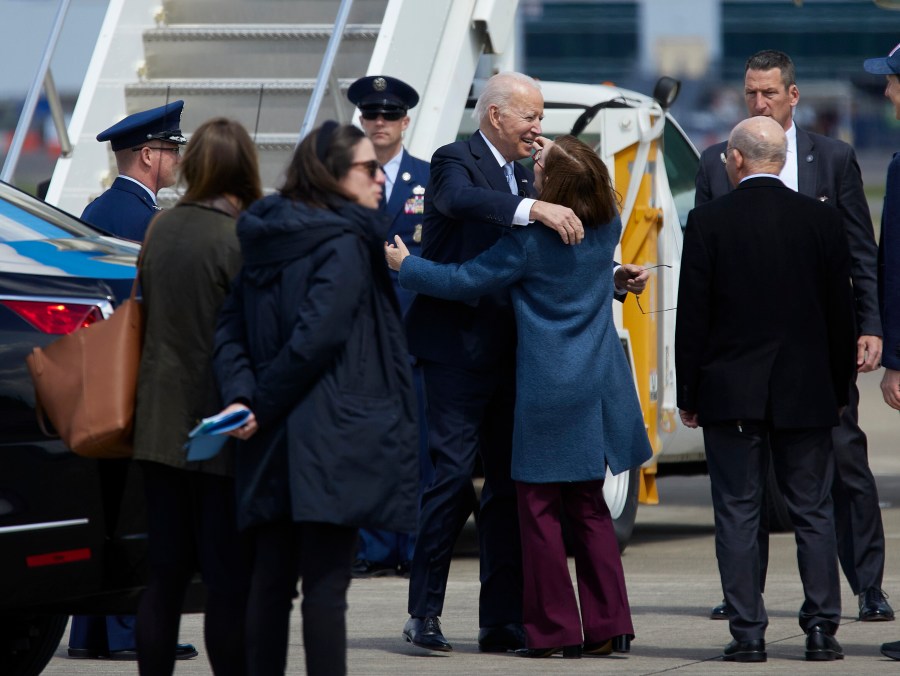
(576, 177)
(220, 159)
(321, 160)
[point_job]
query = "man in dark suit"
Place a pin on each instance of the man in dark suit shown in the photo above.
(383, 104)
(147, 146)
(889, 260)
(760, 369)
(467, 351)
(826, 169)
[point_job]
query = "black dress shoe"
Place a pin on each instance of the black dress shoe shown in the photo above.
(719, 612)
(363, 569)
(501, 638)
(822, 646)
(745, 651)
(185, 651)
(571, 652)
(425, 632)
(123, 655)
(891, 650)
(873, 606)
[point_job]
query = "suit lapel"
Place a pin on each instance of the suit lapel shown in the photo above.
(807, 160)
(487, 163)
(130, 186)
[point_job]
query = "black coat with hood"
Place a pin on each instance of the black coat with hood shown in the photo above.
(311, 340)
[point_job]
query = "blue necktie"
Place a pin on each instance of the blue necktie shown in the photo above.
(510, 177)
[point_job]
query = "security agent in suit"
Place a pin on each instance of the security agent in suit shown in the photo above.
(467, 351)
(383, 103)
(759, 369)
(147, 146)
(889, 261)
(826, 169)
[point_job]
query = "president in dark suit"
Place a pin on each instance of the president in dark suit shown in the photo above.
(467, 351)
(826, 169)
(147, 146)
(758, 368)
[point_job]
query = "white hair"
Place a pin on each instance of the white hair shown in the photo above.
(499, 90)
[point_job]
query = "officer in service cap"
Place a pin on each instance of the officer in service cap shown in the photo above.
(147, 146)
(383, 103)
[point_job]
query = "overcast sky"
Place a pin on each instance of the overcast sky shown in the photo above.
(24, 30)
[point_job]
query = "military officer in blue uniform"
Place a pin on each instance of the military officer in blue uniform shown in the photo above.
(383, 103)
(147, 146)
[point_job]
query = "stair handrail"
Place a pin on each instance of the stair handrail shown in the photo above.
(31, 99)
(334, 42)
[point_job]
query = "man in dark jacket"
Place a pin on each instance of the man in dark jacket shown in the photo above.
(147, 146)
(384, 104)
(758, 368)
(826, 169)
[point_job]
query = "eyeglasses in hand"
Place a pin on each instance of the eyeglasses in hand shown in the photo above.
(637, 299)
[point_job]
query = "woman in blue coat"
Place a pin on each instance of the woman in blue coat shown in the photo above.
(310, 341)
(577, 411)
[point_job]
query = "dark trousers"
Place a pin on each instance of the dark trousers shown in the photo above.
(549, 608)
(738, 461)
(469, 413)
(102, 634)
(387, 547)
(857, 514)
(860, 534)
(321, 554)
(191, 526)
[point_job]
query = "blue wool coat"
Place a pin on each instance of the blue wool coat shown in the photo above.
(576, 407)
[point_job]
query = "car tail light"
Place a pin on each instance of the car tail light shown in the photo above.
(54, 316)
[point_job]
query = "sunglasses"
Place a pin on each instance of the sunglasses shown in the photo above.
(389, 117)
(371, 167)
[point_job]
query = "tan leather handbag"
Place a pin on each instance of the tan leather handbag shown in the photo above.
(86, 381)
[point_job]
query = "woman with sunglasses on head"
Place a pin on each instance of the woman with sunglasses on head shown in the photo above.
(311, 341)
(190, 256)
(577, 412)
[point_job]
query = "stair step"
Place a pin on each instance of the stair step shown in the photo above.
(284, 102)
(260, 51)
(269, 11)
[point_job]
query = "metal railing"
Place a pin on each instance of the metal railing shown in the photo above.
(324, 76)
(42, 77)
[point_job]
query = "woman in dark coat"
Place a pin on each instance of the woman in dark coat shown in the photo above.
(190, 256)
(311, 341)
(577, 411)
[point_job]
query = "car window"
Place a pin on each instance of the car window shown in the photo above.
(23, 217)
(682, 163)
